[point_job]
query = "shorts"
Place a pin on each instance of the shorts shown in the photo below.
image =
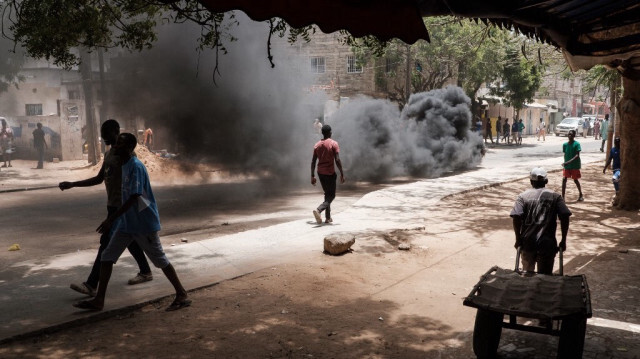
(616, 176)
(544, 261)
(573, 174)
(149, 242)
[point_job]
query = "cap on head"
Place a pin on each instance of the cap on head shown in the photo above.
(538, 174)
(326, 129)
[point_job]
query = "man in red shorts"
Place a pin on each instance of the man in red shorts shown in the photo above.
(326, 152)
(571, 163)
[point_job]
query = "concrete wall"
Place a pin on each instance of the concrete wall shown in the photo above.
(23, 127)
(335, 81)
(63, 134)
(72, 114)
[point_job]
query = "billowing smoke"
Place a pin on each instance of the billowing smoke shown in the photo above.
(432, 135)
(257, 119)
(253, 119)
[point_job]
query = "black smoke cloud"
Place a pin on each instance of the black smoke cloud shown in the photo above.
(253, 119)
(258, 120)
(431, 136)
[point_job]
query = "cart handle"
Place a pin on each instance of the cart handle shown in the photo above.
(561, 261)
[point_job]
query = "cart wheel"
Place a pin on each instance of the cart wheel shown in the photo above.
(572, 332)
(486, 333)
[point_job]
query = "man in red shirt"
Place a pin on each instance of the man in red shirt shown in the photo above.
(326, 152)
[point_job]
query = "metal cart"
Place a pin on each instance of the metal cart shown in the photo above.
(557, 305)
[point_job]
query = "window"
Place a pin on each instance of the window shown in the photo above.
(74, 95)
(352, 65)
(317, 65)
(389, 65)
(33, 109)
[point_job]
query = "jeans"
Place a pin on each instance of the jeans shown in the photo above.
(616, 180)
(134, 249)
(328, 183)
(40, 156)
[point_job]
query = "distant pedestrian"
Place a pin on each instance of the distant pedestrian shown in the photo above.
(40, 144)
(6, 142)
(542, 130)
(505, 131)
(585, 128)
(498, 129)
(317, 126)
(535, 216)
(571, 165)
(326, 152)
(488, 130)
(520, 129)
(147, 138)
(479, 125)
(514, 131)
(111, 174)
(137, 220)
(614, 157)
(596, 129)
(604, 131)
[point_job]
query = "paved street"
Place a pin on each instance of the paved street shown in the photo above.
(35, 293)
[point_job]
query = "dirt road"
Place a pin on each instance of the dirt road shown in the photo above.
(378, 301)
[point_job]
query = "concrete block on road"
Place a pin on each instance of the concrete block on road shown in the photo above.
(338, 243)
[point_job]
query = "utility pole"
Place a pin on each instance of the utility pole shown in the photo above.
(407, 83)
(87, 85)
(104, 108)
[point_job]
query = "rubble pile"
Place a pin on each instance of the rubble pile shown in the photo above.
(172, 171)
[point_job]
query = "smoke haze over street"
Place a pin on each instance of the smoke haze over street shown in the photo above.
(258, 120)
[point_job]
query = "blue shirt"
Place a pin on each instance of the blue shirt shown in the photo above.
(615, 156)
(143, 216)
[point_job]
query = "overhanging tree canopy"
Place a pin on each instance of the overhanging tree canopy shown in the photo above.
(589, 32)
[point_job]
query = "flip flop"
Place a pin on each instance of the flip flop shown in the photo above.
(85, 304)
(175, 305)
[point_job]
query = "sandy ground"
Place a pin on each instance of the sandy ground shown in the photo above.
(378, 301)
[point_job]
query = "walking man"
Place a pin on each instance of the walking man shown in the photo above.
(520, 129)
(40, 144)
(514, 131)
(487, 130)
(535, 215)
(604, 130)
(542, 131)
(326, 152)
(111, 174)
(614, 156)
(137, 220)
(6, 142)
(498, 129)
(505, 131)
(571, 165)
(585, 128)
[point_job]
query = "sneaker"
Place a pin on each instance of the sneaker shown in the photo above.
(140, 278)
(580, 199)
(83, 288)
(317, 215)
(328, 220)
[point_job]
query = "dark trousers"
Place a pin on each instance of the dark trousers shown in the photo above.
(40, 156)
(328, 183)
(134, 249)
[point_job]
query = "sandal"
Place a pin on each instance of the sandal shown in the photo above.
(176, 304)
(86, 304)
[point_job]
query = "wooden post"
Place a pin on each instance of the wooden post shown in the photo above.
(87, 85)
(629, 112)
